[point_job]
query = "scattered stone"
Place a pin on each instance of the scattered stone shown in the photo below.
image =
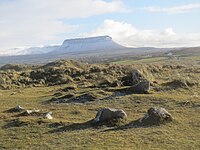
(141, 87)
(31, 112)
(139, 83)
(156, 116)
(137, 76)
(109, 114)
(48, 115)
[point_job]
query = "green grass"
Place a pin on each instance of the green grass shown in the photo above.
(69, 128)
(182, 133)
(192, 57)
(143, 60)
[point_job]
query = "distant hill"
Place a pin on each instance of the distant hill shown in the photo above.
(190, 51)
(94, 44)
(88, 44)
(92, 50)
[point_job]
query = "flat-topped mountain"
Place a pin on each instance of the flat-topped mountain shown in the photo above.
(89, 44)
(92, 49)
(94, 44)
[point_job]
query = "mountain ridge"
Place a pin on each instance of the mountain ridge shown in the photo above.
(71, 45)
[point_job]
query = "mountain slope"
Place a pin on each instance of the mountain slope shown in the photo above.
(94, 44)
(89, 44)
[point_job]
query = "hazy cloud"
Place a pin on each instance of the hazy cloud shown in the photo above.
(128, 35)
(175, 9)
(38, 22)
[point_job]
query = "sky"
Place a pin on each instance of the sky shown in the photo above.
(135, 23)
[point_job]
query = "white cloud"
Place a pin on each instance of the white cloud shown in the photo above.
(128, 35)
(175, 9)
(38, 22)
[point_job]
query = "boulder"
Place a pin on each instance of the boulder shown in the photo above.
(137, 76)
(139, 83)
(141, 87)
(109, 114)
(156, 116)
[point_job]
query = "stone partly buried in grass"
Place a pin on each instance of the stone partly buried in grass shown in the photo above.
(48, 115)
(137, 76)
(156, 116)
(109, 114)
(139, 83)
(141, 87)
(35, 112)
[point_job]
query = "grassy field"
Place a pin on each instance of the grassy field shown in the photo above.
(39, 133)
(191, 55)
(142, 60)
(69, 127)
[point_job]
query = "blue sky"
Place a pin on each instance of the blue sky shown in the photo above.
(159, 23)
(181, 22)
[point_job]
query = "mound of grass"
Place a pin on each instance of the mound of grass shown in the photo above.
(15, 67)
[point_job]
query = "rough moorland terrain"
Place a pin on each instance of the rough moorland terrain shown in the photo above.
(73, 92)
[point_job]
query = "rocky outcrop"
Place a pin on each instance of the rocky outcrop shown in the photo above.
(156, 116)
(139, 83)
(137, 76)
(141, 87)
(109, 114)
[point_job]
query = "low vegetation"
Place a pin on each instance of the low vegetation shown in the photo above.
(75, 91)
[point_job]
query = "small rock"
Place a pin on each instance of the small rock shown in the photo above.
(48, 115)
(156, 117)
(18, 108)
(31, 112)
(15, 109)
(108, 114)
(13, 93)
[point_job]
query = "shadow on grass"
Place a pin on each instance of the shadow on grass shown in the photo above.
(132, 124)
(122, 93)
(12, 110)
(85, 125)
(139, 123)
(74, 126)
(14, 123)
(91, 124)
